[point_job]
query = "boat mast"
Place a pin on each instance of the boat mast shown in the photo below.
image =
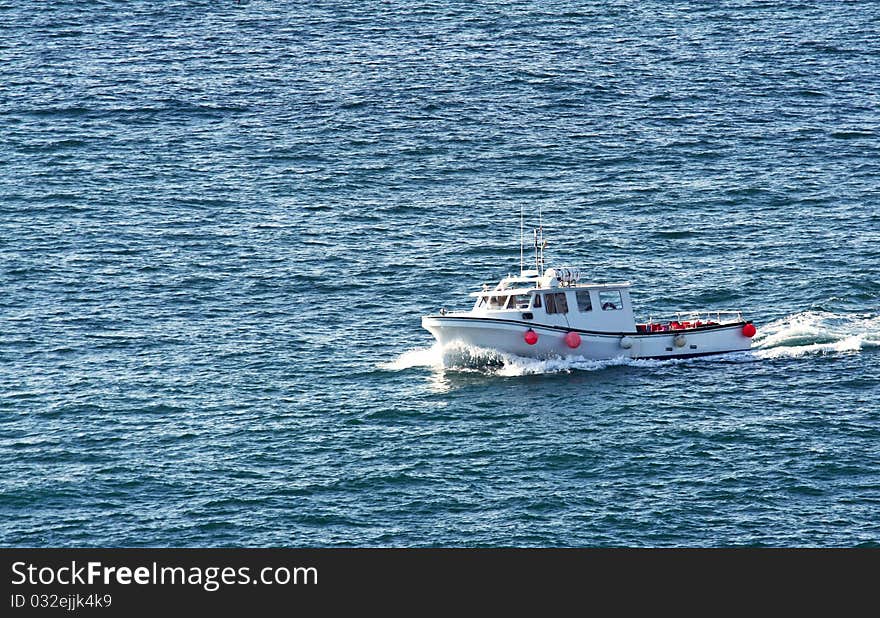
(520, 240)
(540, 243)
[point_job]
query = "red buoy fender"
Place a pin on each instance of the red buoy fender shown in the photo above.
(531, 337)
(572, 339)
(749, 330)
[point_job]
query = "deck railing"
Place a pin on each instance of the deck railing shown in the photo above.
(721, 317)
(695, 319)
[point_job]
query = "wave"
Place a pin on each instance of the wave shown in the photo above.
(810, 332)
(419, 357)
(817, 332)
(465, 358)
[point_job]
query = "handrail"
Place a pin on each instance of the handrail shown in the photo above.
(707, 315)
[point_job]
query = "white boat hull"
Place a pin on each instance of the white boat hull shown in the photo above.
(508, 336)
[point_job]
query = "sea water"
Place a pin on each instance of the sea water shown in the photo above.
(221, 223)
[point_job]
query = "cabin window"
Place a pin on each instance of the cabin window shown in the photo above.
(537, 304)
(482, 302)
(561, 303)
(497, 302)
(610, 300)
(518, 301)
(556, 303)
(584, 302)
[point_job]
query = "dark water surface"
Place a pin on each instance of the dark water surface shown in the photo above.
(221, 222)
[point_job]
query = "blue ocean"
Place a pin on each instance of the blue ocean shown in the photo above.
(221, 223)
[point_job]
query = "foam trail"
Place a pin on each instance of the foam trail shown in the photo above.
(817, 332)
(419, 357)
(520, 366)
(491, 362)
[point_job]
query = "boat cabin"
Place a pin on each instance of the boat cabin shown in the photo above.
(559, 299)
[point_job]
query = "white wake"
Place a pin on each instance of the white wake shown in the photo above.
(491, 362)
(817, 332)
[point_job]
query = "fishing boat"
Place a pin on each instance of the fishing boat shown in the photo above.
(554, 312)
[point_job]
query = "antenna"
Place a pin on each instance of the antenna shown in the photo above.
(540, 243)
(520, 240)
(541, 228)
